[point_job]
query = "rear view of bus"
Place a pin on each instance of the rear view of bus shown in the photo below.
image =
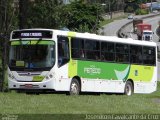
(31, 57)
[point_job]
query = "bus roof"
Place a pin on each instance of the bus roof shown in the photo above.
(106, 38)
(94, 37)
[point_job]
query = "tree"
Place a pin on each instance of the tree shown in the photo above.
(82, 17)
(42, 14)
(8, 22)
(77, 16)
(24, 7)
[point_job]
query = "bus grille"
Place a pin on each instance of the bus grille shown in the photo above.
(28, 73)
(33, 86)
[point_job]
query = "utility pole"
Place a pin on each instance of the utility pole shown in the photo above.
(151, 5)
(109, 8)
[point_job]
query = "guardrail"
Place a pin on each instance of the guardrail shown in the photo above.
(122, 35)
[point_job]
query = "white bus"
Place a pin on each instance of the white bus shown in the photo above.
(46, 59)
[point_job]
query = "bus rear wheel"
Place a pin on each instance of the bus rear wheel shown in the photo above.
(74, 87)
(128, 90)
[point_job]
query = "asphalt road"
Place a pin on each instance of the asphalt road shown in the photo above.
(153, 21)
(112, 28)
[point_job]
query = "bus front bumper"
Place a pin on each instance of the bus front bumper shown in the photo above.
(31, 85)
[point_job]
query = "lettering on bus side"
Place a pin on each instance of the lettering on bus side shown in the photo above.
(92, 70)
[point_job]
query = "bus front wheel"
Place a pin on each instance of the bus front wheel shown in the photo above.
(128, 88)
(74, 87)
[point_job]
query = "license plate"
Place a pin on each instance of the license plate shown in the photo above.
(28, 85)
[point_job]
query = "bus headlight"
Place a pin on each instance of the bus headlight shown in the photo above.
(49, 76)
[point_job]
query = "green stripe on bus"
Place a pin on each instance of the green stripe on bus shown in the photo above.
(102, 70)
(15, 43)
(141, 73)
(113, 71)
(71, 34)
(32, 42)
(72, 68)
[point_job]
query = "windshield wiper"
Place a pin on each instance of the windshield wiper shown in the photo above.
(20, 41)
(38, 41)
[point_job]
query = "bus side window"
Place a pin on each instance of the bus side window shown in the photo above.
(63, 50)
(136, 54)
(149, 55)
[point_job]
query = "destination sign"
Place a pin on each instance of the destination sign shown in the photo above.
(32, 34)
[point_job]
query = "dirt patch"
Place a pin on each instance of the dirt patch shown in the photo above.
(156, 100)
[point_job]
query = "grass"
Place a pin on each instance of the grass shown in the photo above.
(107, 21)
(21, 103)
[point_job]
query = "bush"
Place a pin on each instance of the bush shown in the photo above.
(142, 11)
(129, 9)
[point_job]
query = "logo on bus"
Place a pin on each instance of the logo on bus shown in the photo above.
(92, 70)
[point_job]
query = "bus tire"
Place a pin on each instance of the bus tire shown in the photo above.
(128, 90)
(74, 87)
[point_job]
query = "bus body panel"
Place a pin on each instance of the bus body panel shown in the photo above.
(111, 77)
(95, 85)
(62, 79)
(143, 87)
(113, 71)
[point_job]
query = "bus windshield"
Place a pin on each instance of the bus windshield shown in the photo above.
(32, 55)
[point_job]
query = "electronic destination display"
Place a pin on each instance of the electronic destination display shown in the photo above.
(32, 34)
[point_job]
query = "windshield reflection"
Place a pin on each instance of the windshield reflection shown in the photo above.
(32, 56)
